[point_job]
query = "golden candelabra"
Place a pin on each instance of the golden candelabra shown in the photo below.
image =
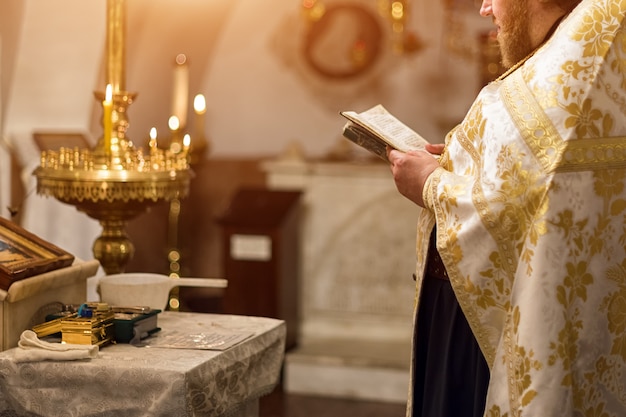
(114, 182)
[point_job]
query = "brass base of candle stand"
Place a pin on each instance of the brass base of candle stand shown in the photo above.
(113, 197)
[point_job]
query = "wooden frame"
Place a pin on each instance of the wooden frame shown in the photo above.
(23, 254)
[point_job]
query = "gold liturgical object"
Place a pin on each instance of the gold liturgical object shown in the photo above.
(114, 182)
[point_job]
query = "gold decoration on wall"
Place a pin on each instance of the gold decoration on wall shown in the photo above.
(313, 10)
(490, 58)
(404, 41)
(457, 35)
(321, 17)
(341, 41)
(469, 43)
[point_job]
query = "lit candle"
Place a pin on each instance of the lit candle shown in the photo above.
(153, 138)
(174, 124)
(180, 94)
(199, 107)
(107, 117)
(186, 143)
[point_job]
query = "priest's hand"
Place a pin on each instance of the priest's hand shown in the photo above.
(411, 169)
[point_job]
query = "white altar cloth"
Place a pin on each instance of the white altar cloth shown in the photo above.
(139, 381)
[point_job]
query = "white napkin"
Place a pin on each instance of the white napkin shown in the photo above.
(31, 349)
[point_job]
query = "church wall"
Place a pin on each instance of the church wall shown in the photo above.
(245, 56)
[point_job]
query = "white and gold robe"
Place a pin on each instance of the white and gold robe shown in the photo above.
(530, 210)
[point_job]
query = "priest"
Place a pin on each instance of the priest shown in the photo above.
(521, 246)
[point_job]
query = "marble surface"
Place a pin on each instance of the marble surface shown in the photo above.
(355, 369)
(357, 291)
(125, 380)
(358, 249)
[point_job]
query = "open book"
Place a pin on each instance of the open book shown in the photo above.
(376, 128)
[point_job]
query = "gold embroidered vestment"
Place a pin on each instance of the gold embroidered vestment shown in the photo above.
(530, 208)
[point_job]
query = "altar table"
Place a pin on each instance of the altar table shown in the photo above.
(125, 380)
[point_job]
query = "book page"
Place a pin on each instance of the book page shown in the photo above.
(387, 127)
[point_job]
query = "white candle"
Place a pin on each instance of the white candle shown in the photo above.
(180, 93)
(174, 126)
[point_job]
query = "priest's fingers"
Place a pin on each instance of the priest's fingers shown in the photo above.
(435, 148)
(410, 171)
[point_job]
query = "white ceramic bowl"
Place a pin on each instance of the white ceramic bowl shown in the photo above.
(145, 289)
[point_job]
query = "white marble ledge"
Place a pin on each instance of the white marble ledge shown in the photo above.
(326, 168)
(353, 369)
(394, 354)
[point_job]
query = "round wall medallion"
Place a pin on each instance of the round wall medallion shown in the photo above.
(344, 42)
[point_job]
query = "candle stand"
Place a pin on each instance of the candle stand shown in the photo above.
(113, 185)
(114, 182)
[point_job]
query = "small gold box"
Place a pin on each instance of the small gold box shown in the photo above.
(96, 330)
(51, 327)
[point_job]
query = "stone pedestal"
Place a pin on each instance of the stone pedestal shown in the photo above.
(357, 291)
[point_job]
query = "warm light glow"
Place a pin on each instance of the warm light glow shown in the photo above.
(181, 59)
(313, 9)
(153, 138)
(108, 93)
(199, 104)
(173, 123)
(397, 10)
(186, 141)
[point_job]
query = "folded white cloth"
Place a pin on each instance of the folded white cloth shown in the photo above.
(31, 349)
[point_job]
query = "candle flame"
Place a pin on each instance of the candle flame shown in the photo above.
(186, 140)
(173, 123)
(153, 138)
(108, 94)
(199, 104)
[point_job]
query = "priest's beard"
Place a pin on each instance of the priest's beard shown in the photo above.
(514, 36)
